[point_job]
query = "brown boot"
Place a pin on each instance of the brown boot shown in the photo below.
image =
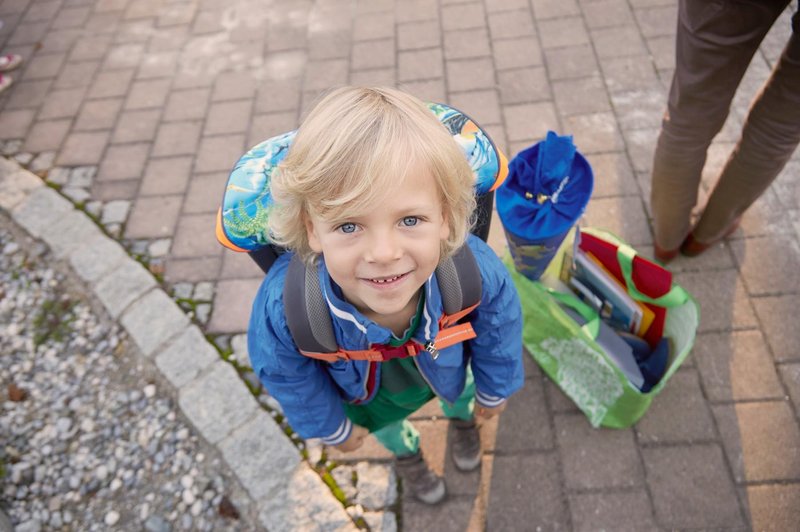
(466, 444)
(419, 480)
(692, 247)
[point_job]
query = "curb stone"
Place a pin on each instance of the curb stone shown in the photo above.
(289, 493)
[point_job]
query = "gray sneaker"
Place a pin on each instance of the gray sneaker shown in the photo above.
(419, 480)
(466, 444)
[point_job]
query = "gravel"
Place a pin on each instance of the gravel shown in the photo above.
(91, 439)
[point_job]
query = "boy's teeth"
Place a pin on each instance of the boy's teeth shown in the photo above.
(380, 281)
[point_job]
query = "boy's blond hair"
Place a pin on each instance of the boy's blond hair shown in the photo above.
(353, 145)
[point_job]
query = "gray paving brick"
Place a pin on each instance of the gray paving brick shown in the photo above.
(481, 106)
(257, 446)
(60, 40)
(90, 47)
(239, 266)
(96, 257)
(204, 193)
(613, 175)
(122, 286)
(619, 41)
(15, 124)
(529, 121)
(420, 64)
(109, 84)
(657, 21)
(219, 153)
(524, 85)
(82, 149)
(228, 117)
(774, 507)
(147, 94)
(736, 366)
(278, 95)
(76, 74)
(512, 506)
(623, 216)
(470, 74)
(136, 126)
(463, 44)
(422, 34)
(187, 105)
(234, 86)
(269, 125)
(16, 185)
(192, 270)
(725, 303)
(186, 243)
(622, 511)
(463, 16)
(526, 414)
(581, 96)
(511, 24)
(29, 33)
(123, 162)
(451, 515)
(158, 65)
(545, 9)
(777, 275)
(26, 94)
(217, 402)
(186, 357)
(71, 17)
(148, 333)
(232, 305)
(115, 190)
(678, 414)
(494, 6)
(98, 114)
(372, 54)
(62, 103)
(325, 74)
(691, 488)
(516, 53)
(44, 66)
(790, 373)
(178, 138)
(761, 440)
(605, 13)
(560, 32)
(431, 90)
(376, 76)
(74, 228)
(596, 132)
(640, 109)
(41, 211)
(662, 50)
(641, 145)
(631, 73)
(596, 458)
(166, 176)
(373, 26)
(154, 217)
(334, 45)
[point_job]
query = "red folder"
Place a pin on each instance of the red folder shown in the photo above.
(650, 278)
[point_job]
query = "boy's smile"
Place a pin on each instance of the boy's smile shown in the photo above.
(382, 257)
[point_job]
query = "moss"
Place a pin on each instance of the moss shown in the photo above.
(53, 320)
(334, 487)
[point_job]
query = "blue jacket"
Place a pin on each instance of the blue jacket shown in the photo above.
(311, 391)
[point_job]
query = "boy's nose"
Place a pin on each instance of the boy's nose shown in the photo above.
(383, 247)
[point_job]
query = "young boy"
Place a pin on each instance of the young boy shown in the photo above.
(373, 193)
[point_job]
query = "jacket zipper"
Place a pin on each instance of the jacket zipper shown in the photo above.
(428, 346)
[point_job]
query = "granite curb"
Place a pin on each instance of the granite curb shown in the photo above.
(208, 390)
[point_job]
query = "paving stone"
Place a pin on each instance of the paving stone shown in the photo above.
(216, 403)
(545, 9)
(470, 74)
(420, 64)
(147, 94)
(779, 274)
(267, 126)
(234, 86)
(651, 21)
(373, 26)
(465, 44)
(187, 105)
(110, 84)
(481, 106)
(123, 162)
(260, 445)
(463, 16)
(561, 32)
(510, 24)
(154, 217)
(372, 54)
(631, 73)
(205, 193)
(71, 17)
(122, 285)
(192, 269)
(725, 304)
(620, 511)
(228, 117)
(115, 212)
(516, 53)
(678, 414)
(178, 138)
(324, 74)
(596, 458)
(451, 515)
(639, 109)
(415, 35)
(774, 507)
(74, 228)
(150, 334)
(47, 135)
(98, 256)
(115, 190)
(623, 216)
(27, 94)
(581, 96)
(219, 153)
(415, 10)
(62, 104)
(512, 505)
(571, 62)
(597, 132)
(278, 95)
(791, 378)
(761, 440)
(90, 47)
(524, 85)
(158, 65)
(605, 13)
(691, 488)
(613, 175)
(82, 176)
(169, 175)
(736, 366)
(82, 149)
(187, 244)
(232, 305)
(14, 124)
(29, 33)
(76, 75)
(239, 266)
(529, 121)
(431, 90)
(641, 146)
(775, 314)
(526, 414)
(41, 211)
(619, 41)
(376, 76)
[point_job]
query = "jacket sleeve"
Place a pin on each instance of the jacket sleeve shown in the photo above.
(309, 398)
(497, 349)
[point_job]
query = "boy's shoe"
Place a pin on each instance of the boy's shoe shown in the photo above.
(5, 82)
(466, 444)
(9, 62)
(419, 480)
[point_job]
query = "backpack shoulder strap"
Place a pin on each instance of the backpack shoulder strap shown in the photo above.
(459, 281)
(306, 312)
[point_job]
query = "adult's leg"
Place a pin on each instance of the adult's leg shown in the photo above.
(770, 135)
(715, 42)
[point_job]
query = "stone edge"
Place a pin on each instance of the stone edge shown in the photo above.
(129, 293)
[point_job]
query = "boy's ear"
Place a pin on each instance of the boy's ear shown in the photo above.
(313, 239)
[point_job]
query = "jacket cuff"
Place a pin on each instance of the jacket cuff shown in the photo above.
(341, 434)
(489, 401)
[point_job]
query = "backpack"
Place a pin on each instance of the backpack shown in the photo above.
(242, 226)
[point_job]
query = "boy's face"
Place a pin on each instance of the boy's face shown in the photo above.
(381, 258)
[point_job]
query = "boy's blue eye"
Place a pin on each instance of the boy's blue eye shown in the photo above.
(410, 221)
(348, 227)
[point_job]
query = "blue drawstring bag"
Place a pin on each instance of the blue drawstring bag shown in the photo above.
(546, 192)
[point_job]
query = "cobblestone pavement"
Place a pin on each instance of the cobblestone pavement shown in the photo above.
(137, 109)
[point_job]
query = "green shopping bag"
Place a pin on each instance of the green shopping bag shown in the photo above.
(570, 356)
